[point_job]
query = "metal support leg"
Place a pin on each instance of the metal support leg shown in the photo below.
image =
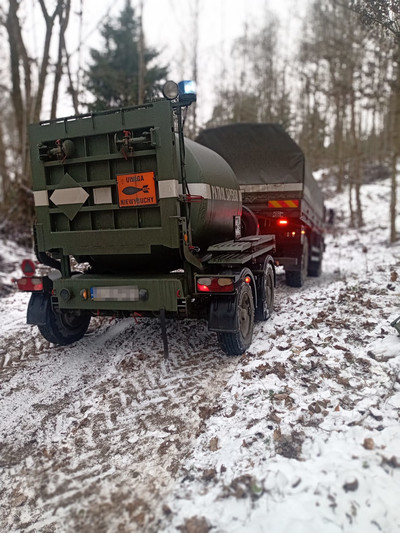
(164, 333)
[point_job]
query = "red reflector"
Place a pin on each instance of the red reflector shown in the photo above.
(283, 221)
(28, 267)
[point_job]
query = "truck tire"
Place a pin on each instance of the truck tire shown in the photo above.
(237, 342)
(296, 278)
(64, 327)
(266, 293)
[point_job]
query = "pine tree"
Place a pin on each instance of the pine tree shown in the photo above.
(113, 77)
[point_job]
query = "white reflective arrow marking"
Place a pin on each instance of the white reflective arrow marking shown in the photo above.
(76, 195)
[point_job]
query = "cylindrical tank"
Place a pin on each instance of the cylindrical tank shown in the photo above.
(209, 176)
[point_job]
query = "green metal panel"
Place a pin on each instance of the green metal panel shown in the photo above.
(89, 227)
(162, 292)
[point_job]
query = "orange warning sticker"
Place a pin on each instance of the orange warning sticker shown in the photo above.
(136, 190)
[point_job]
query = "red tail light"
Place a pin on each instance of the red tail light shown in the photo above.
(215, 285)
(283, 222)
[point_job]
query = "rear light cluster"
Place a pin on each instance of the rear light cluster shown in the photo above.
(215, 284)
(30, 284)
(284, 223)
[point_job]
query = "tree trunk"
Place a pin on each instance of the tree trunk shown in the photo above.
(351, 210)
(395, 146)
(4, 177)
(142, 65)
(356, 159)
(46, 55)
(64, 17)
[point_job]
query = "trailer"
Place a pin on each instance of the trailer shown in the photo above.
(132, 218)
(279, 189)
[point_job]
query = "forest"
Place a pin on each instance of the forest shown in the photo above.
(337, 93)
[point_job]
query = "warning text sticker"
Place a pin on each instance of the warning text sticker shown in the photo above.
(136, 190)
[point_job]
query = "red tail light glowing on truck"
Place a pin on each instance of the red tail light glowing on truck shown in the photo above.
(215, 284)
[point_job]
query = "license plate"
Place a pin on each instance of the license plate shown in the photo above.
(121, 293)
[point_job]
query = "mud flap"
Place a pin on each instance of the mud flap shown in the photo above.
(38, 308)
(222, 315)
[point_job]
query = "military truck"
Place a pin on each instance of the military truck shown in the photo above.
(133, 218)
(279, 188)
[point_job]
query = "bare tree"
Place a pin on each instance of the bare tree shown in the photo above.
(142, 64)
(25, 84)
(386, 14)
(63, 19)
(259, 90)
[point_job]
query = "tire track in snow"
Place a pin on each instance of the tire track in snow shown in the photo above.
(95, 433)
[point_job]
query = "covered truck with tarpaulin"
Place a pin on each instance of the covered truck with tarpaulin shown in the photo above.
(278, 187)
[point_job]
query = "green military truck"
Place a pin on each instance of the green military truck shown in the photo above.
(279, 188)
(132, 218)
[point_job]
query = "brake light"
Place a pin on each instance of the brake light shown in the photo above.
(283, 222)
(215, 285)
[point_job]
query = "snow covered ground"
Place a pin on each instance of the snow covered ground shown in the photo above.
(301, 434)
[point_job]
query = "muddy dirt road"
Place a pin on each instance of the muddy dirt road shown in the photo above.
(93, 434)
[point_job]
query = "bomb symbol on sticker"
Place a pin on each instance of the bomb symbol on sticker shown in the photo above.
(130, 191)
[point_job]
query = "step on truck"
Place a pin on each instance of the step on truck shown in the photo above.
(134, 219)
(279, 189)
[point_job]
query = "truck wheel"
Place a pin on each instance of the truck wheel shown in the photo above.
(266, 292)
(296, 278)
(236, 343)
(64, 327)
